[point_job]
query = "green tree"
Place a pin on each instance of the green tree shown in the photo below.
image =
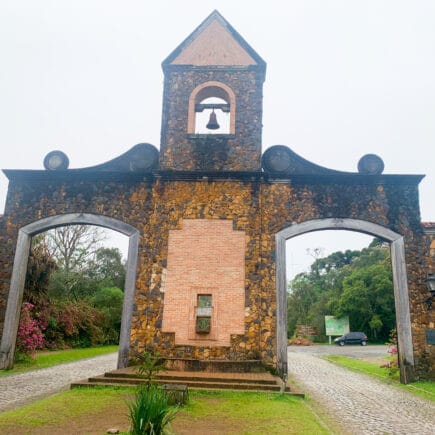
(104, 268)
(301, 297)
(368, 299)
(336, 260)
(107, 267)
(40, 266)
(109, 301)
(70, 285)
(354, 283)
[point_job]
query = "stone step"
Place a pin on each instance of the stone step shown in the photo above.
(190, 383)
(214, 365)
(205, 385)
(192, 379)
(264, 379)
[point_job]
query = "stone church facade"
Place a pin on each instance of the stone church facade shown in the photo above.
(208, 215)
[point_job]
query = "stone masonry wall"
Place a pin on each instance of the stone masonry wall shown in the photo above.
(429, 243)
(178, 201)
(258, 208)
(239, 152)
(30, 201)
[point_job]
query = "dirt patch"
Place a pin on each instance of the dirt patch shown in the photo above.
(186, 424)
(200, 426)
(97, 423)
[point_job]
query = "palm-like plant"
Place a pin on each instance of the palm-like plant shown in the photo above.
(151, 409)
(150, 412)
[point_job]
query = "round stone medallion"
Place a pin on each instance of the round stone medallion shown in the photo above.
(56, 160)
(144, 157)
(277, 159)
(370, 164)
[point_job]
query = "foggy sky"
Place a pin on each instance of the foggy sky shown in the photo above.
(344, 78)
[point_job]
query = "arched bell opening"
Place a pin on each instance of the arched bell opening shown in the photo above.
(212, 109)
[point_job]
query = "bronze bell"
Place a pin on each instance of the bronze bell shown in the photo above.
(212, 122)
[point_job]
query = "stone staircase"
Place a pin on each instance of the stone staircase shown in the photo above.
(263, 381)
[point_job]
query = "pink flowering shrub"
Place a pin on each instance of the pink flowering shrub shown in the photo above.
(392, 366)
(393, 349)
(30, 332)
(73, 324)
(61, 324)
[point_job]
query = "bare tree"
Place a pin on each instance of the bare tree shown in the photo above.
(316, 253)
(71, 246)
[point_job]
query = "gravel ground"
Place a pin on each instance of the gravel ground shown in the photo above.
(358, 403)
(369, 351)
(19, 389)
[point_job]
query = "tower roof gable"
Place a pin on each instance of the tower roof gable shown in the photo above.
(215, 43)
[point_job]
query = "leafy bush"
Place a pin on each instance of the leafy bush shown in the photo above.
(73, 324)
(391, 368)
(108, 300)
(150, 412)
(29, 334)
(58, 324)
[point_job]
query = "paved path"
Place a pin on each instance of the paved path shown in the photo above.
(360, 404)
(369, 351)
(22, 388)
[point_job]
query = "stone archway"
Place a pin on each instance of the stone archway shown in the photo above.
(403, 320)
(220, 177)
(25, 234)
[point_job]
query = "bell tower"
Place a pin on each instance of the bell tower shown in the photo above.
(212, 102)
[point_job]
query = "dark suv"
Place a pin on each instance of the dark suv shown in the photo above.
(352, 338)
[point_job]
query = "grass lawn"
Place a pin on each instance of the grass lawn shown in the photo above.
(218, 412)
(95, 410)
(420, 388)
(360, 365)
(52, 358)
(72, 411)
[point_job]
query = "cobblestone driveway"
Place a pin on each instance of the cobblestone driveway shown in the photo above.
(16, 390)
(360, 404)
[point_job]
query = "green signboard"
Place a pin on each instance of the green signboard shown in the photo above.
(336, 326)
